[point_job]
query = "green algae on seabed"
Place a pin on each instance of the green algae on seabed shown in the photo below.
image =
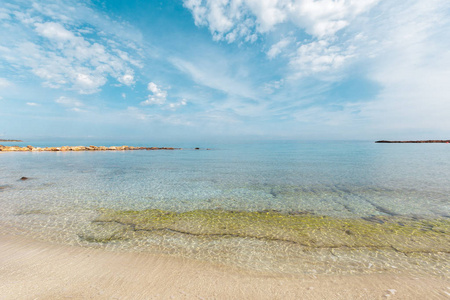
(402, 234)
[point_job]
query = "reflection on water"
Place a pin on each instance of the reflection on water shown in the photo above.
(296, 208)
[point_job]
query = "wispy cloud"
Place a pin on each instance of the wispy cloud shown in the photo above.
(4, 83)
(60, 52)
(277, 48)
(71, 104)
(4, 13)
(217, 76)
(412, 63)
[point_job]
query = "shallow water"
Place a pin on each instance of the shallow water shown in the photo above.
(341, 180)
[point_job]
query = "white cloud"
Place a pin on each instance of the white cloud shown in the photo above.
(5, 14)
(86, 65)
(326, 17)
(88, 82)
(245, 18)
(69, 102)
(127, 79)
(55, 31)
(412, 64)
(175, 105)
(54, 41)
(152, 87)
(216, 75)
(324, 51)
(33, 104)
(276, 49)
(317, 57)
(272, 86)
(76, 109)
(404, 52)
(80, 14)
(158, 96)
(4, 83)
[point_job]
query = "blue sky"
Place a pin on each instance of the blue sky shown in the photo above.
(225, 69)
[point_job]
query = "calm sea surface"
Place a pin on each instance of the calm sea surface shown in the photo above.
(337, 179)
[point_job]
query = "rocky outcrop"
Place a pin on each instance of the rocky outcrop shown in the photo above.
(416, 142)
(81, 148)
(16, 141)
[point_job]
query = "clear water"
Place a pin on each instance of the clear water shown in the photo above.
(337, 179)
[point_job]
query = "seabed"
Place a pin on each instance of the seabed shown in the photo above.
(273, 241)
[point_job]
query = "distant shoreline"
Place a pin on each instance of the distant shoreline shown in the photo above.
(81, 148)
(416, 142)
(17, 141)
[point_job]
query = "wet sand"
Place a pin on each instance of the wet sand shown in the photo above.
(31, 269)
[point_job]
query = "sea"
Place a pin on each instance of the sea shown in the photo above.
(65, 192)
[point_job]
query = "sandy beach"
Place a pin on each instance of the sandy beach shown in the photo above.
(31, 269)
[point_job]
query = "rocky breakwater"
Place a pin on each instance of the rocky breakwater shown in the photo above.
(17, 141)
(416, 142)
(81, 148)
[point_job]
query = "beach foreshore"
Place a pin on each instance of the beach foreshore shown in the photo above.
(33, 269)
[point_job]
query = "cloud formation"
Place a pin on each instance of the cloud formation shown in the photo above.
(232, 19)
(286, 68)
(318, 57)
(412, 64)
(71, 104)
(4, 83)
(277, 48)
(323, 51)
(157, 95)
(61, 51)
(175, 105)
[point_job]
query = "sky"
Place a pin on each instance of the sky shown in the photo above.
(225, 69)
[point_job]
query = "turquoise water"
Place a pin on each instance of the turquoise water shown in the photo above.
(337, 179)
(346, 179)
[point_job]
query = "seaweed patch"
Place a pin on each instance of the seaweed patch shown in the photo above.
(402, 234)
